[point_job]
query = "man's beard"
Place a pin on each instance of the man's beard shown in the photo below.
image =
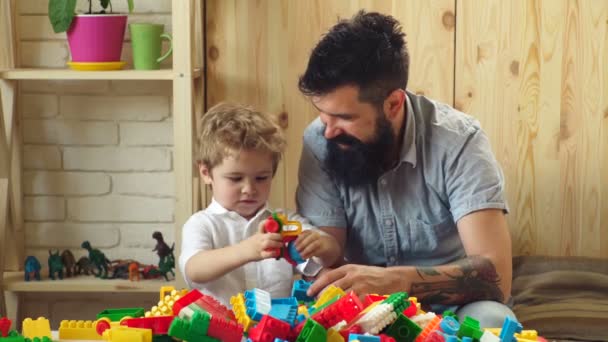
(360, 163)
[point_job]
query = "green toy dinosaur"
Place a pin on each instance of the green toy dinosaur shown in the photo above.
(98, 259)
(55, 265)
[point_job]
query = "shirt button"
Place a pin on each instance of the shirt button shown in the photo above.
(383, 182)
(388, 222)
(392, 259)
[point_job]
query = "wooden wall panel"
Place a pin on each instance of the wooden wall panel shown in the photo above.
(535, 74)
(256, 51)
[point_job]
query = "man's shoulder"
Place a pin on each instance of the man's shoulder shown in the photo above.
(314, 139)
(440, 125)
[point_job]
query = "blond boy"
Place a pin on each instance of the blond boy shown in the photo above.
(224, 248)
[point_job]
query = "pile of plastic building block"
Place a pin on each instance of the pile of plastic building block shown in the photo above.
(256, 317)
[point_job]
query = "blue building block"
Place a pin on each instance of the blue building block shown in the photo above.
(284, 312)
(299, 291)
(257, 302)
(363, 338)
(509, 328)
(449, 325)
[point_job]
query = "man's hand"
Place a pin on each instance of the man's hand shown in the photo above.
(361, 279)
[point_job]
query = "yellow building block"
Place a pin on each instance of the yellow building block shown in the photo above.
(240, 311)
(126, 334)
(168, 296)
(330, 292)
(78, 330)
(38, 328)
(334, 336)
(524, 336)
(303, 310)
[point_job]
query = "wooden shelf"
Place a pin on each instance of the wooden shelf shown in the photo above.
(13, 281)
(68, 74)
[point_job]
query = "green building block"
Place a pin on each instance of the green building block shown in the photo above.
(470, 328)
(116, 315)
(403, 329)
(193, 330)
(312, 332)
(449, 313)
(399, 301)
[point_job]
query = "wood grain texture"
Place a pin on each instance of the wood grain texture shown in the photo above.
(534, 73)
(10, 152)
(256, 51)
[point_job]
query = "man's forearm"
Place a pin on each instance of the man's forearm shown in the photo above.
(467, 280)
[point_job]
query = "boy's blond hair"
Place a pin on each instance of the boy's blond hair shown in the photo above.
(227, 128)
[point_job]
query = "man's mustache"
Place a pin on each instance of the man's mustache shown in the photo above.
(344, 139)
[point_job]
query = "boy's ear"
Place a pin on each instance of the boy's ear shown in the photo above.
(205, 173)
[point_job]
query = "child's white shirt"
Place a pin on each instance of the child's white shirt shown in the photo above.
(216, 227)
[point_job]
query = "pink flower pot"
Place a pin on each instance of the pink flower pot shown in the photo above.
(97, 37)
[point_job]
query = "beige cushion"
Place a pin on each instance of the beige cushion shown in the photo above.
(562, 297)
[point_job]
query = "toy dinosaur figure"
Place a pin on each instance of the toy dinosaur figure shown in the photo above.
(32, 268)
(69, 263)
(162, 249)
(98, 259)
(84, 266)
(55, 265)
(165, 265)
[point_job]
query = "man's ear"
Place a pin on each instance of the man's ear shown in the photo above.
(205, 173)
(393, 105)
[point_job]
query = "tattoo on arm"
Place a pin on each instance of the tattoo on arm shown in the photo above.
(475, 278)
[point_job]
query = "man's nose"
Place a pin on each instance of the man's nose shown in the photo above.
(331, 131)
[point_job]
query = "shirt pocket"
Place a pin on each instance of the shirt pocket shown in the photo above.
(425, 238)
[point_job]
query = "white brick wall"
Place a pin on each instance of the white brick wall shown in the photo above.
(97, 160)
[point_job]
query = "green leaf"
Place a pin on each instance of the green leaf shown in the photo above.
(61, 14)
(104, 3)
(130, 2)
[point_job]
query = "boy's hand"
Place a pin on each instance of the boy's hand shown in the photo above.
(262, 245)
(311, 243)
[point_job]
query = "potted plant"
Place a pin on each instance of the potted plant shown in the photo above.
(92, 36)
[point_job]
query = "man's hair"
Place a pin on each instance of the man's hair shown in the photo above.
(228, 128)
(367, 51)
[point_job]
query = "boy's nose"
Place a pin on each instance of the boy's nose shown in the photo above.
(248, 188)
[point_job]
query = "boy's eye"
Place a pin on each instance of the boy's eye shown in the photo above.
(234, 179)
(262, 178)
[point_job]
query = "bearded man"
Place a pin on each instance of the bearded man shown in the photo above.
(409, 186)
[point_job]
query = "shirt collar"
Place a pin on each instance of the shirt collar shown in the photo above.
(408, 145)
(216, 208)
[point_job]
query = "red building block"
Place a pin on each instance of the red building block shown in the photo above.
(214, 308)
(372, 298)
(268, 329)
(346, 308)
(355, 329)
(225, 330)
(186, 300)
(5, 325)
(159, 324)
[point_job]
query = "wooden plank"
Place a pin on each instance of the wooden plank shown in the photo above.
(507, 79)
(13, 281)
(583, 103)
(256, 52)
(4, 242)
(182, 119)
(8, 43)
(67, 74)
(513, 60)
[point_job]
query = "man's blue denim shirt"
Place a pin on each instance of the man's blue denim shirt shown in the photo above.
(408, 216)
